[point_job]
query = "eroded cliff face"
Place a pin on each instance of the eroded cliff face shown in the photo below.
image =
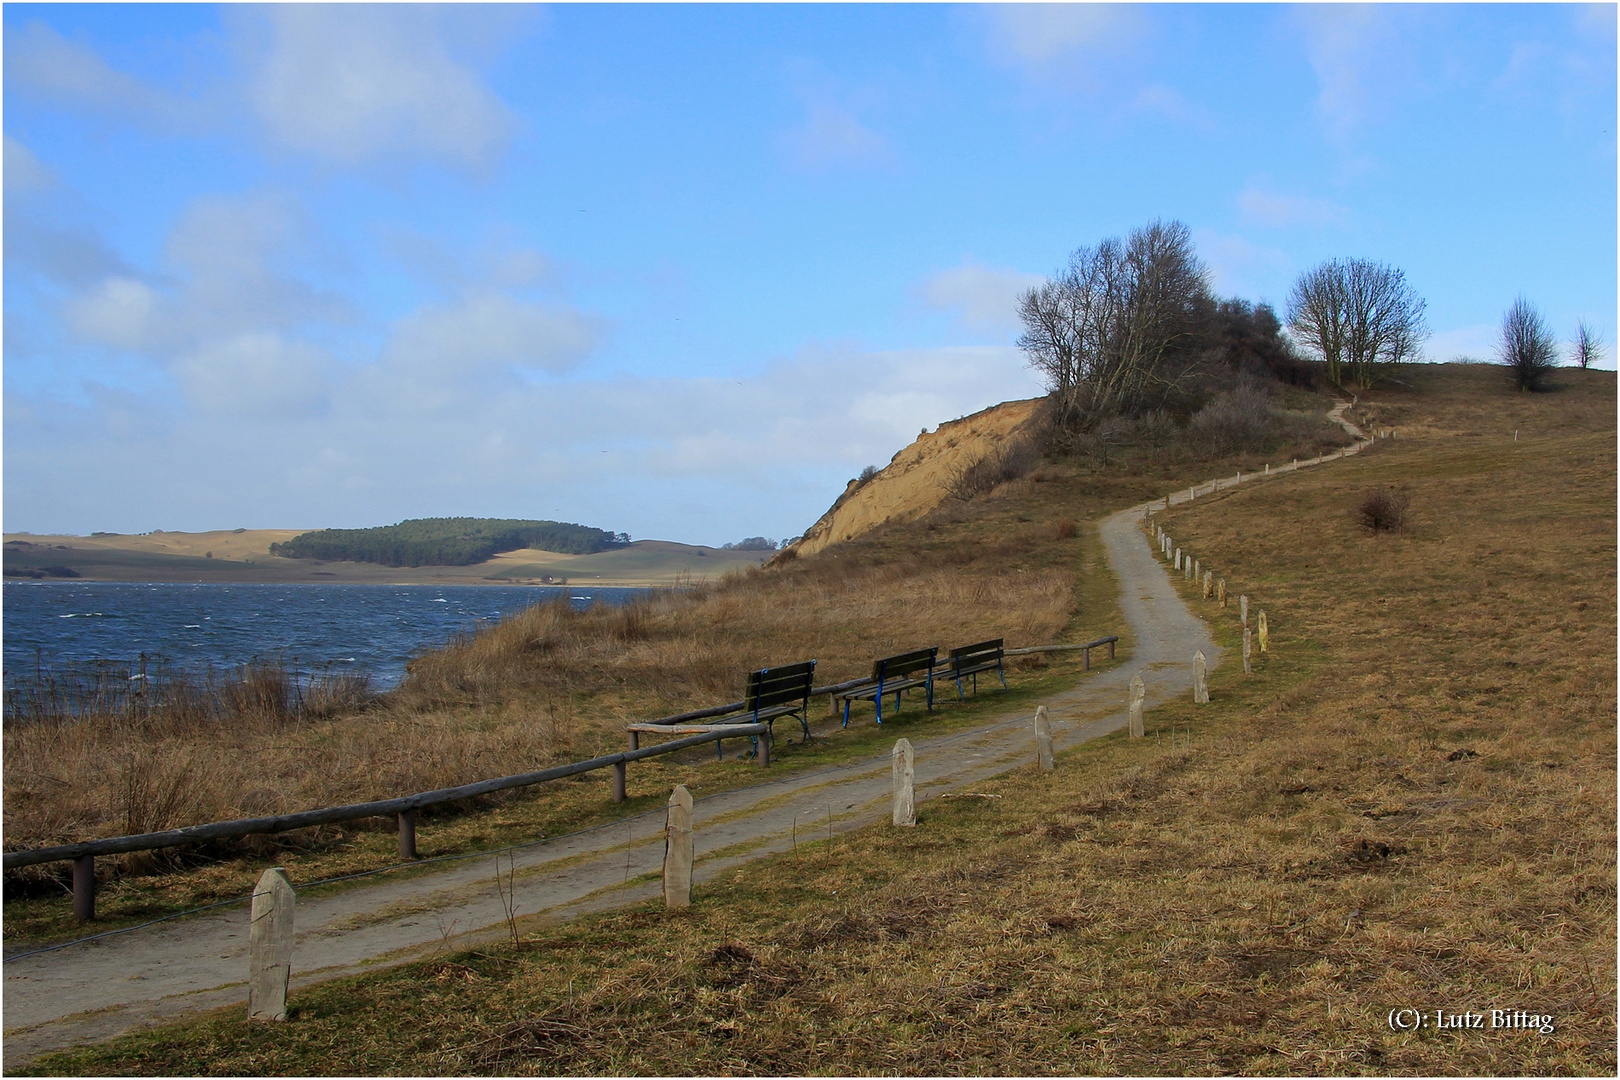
(918, 478)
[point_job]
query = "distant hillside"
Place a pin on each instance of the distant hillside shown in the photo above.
(460, 541)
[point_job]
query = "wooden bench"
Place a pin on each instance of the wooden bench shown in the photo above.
(771, 693)
(969, 660)
(895, 675)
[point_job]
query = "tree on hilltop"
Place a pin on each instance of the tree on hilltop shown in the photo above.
(1361, 317)
(1587, 348)
(1526, 345)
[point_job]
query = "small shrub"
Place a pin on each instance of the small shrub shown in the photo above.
(867, 473)
(1012, 461)
(1067, 529)
(1382, 510)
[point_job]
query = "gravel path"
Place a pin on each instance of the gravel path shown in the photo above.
(93, 991)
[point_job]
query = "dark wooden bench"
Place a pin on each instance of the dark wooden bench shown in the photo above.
(771, 693)
(895, 675)
(969, 660)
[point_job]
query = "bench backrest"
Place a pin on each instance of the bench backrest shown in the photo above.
(985, 652)
(898, 667)
(770, 687)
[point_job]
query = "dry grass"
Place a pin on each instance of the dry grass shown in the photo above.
(1410, 804)
(549, 685)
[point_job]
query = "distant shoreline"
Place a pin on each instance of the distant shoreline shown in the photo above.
(243, 557)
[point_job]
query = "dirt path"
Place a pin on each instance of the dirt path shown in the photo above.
(96, 990)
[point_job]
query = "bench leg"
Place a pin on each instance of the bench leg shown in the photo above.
(846, 712)
(1000, 675)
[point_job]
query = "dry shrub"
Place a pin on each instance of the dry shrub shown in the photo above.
(1010, 462)
(1382, 510)
(1236, 422)
(1066, 529)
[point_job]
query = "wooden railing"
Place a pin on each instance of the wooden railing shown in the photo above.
(403, 809)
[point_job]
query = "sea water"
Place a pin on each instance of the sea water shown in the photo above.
(60, 626)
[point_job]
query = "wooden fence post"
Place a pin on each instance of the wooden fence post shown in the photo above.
(678, 849)
(1138, 692)
(1043, 740)
(84, 888)
(1263, 633)
(407, 833)
(905, 775)
(270, 946)
(1200, 682)
(619, 782)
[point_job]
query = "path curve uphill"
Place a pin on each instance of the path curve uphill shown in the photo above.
(94, 990)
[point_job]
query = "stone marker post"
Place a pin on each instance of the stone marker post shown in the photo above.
(1138, 692)
(1209, 584)
(1220, 591)
(270, 946)
(1043, 739)
(1200, 684)
(1178, 558)
(1243, 609)
(678, 849)
(1263, 633)
(1198, 569)
(1248, 638)
(905, 775)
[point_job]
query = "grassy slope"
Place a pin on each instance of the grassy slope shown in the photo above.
(1256, 900)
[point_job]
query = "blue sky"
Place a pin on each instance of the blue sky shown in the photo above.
(683, 270)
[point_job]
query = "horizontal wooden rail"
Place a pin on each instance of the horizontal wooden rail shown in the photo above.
(191, 834)
(84, 853)
(1085, 650)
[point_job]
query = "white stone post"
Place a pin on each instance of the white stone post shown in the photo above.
(270, 946)
(1243, 609)
(1178, 558)
(1209, 584)
(678, 849)
(1200, 683)
(1043, 739)
(1138, 692)
(905, 775)
(1264, 634)
(1248, 638)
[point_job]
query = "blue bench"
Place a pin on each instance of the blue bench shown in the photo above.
(895, 675)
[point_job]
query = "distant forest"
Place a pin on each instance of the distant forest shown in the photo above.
(460, 541)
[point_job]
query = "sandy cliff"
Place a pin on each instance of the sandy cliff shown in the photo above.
(917, 479)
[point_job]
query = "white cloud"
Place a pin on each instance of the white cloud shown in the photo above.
(23, 171)
(118, 311)
(832, 136)
(42, 62)
(1260, 205)
(356, 82)
(983, 297)
(1364, 60)
(1039, 36)
(258, 374)
(491, 331)
(1240, 267)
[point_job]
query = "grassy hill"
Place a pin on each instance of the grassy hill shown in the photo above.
(1410, 803)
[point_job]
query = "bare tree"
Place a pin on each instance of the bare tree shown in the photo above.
(1587, 348)
(1360, 317)
(1526, 345)
(1107, 330)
